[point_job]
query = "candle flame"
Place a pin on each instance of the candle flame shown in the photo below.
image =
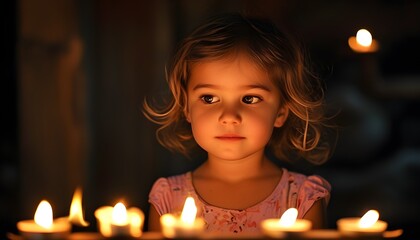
(76, 211)
(119, 214)
(364, 38)
(189, 211)
(370, 218)
(136, 222)
(44, 215)
(289, 217)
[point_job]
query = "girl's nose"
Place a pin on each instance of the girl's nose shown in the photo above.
(230, 116)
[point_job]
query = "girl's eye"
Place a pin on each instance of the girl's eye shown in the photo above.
(209, 99)
(251, 99)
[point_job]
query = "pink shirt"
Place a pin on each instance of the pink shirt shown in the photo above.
(293, 190)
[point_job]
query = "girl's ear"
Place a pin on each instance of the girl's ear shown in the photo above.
(187, 115)
(281, 116)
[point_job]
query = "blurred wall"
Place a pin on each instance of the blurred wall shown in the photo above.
(52, 89)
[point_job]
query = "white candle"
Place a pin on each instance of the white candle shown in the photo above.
(366, 225)
(119, 221)
(186, 225)
(44, 226)
(287, 224)
(363, 42)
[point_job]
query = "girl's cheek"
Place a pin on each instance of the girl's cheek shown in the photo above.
(199, 115)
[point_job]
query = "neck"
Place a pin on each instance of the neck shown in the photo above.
(236, 170)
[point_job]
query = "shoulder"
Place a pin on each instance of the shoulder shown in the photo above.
(305, 190)
(308, 187)
(308, 181)
(172, 183)
(169, 192)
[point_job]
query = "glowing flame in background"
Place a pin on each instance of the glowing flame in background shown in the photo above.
(370, 218)
(119, 215)
(289, 217)
(189, 211)
(76, 211)
(44, 215)
(364, 38)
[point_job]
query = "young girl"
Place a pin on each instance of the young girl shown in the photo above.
(241, 87)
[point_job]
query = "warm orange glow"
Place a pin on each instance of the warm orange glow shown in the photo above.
(187, 225)
(119, 215)
(363, 42)
(289, 217)
(368, 224)
(288, 223)
(76, 211)
(189, 211)
(369, 219)
(136, 222)
(117, 220)
(44, 215)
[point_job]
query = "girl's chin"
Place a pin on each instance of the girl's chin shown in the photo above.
(231, 156)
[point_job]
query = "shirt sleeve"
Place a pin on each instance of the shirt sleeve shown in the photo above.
(160, 196)
(312, 189)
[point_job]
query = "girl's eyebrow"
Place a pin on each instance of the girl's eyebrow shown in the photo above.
(246, 87)
(204, 85)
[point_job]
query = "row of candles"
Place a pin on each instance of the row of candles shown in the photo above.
(120, 221)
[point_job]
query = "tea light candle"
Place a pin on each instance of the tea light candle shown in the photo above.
(363, 42)
(118, 221)
(287, 224)
(186, 225)
(44, 226)
(366, 225)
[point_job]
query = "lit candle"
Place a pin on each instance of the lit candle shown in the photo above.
(186, 225)
(366, 225)
(119, 221)
(76, 211)
(287, 224)
(363, 42)
(44, 226)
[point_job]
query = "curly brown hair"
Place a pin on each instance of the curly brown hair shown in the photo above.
(274, 51)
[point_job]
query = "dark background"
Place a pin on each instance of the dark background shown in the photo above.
(75, 73)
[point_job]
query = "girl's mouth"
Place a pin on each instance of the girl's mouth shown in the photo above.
(230, 137)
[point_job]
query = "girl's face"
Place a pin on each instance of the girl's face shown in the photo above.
(232, 107)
